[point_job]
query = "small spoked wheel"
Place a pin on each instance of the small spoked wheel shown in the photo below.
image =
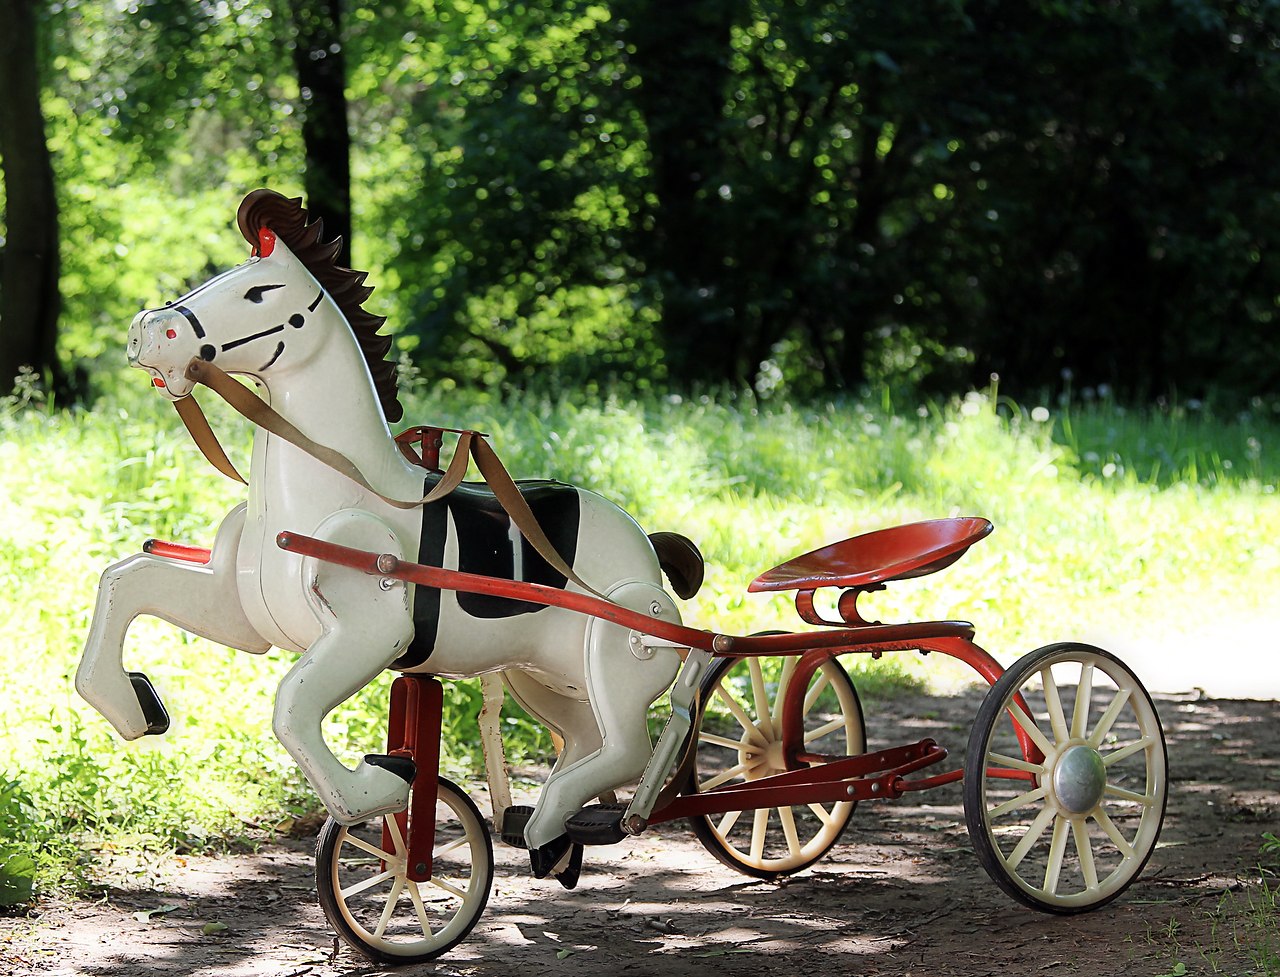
(371, 902)
(739, 738)
(1068, 827)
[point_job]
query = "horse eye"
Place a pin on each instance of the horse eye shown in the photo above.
(255, 294)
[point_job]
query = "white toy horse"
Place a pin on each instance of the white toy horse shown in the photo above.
(291, 321)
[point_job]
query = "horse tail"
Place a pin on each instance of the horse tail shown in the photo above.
(681, 561)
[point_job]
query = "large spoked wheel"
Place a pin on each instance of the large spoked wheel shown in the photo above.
(1068, 829)
(739, 739)
(371, 902)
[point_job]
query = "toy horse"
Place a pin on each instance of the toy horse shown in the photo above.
(291, 321)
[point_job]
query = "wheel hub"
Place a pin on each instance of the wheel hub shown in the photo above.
(1079, 779)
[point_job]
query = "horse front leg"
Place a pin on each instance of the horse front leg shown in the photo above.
(366, 624)
(202, 599)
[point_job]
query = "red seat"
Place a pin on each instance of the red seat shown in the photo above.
(897, 553)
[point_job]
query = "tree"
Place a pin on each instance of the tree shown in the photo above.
(29, 296)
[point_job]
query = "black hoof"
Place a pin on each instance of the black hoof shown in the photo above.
(401, 766)
(568, 876)
(543, 860)
(152, 708)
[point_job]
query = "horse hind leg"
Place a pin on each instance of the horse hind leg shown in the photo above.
(202, 599)
(621, 685)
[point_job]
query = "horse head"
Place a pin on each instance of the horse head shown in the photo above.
(269, 316)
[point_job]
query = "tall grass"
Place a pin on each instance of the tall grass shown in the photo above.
(1101, 514)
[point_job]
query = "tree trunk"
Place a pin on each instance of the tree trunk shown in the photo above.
(322, 78)
(682, 56)
(29, 298)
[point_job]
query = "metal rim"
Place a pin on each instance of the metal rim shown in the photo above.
(371, 902)
(1069, 828)
(777, 841)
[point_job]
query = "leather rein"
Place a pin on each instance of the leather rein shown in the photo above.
(472, 446)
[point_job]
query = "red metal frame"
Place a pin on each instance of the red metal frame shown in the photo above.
(177, 551)
(809, 777)
(413, 731)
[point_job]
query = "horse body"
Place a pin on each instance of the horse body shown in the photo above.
(272, 320)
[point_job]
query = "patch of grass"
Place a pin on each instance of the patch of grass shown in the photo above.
(753, 483)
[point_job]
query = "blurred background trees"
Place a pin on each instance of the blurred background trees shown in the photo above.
(796, 195)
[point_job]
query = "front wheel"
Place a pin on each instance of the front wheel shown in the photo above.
(370, 901)
(1068, 827)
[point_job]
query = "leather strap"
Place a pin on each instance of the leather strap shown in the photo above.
(197, 426)
(471, 445)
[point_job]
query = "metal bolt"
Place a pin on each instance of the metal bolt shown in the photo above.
(655, 608)
(420, 868)
(875, 788)
(386, 583)
(635, 824)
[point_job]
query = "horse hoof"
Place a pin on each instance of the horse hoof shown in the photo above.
(401, 766)
(543, 860)
(568, 876)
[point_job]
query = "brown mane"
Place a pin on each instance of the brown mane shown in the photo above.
(288, 219)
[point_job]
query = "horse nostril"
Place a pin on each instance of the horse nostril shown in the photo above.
(207, 353)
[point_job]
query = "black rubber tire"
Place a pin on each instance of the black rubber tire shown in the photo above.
(1059, 806)
(706, 829)
(346, 920)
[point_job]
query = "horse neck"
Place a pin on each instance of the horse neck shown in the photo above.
(332, 400)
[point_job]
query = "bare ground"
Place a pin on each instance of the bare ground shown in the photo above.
(902, 894)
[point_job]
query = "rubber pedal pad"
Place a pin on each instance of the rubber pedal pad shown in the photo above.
(599, 824)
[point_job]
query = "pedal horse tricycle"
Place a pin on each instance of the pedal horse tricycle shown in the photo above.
(356, 552)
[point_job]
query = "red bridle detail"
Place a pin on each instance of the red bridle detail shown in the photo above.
(266, 243)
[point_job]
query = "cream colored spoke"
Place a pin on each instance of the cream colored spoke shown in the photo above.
(1022, 800)
(1129, 795)
(1113, 833)
(816, 690)
(451, 847)
(1032, 835)
(822, 814)
(365, 846)
(784, 681)
(825, 729)
(761, 696)
(448, 887)
(369, 883)
(419, 908)
(1084, 696)
(1053, 702)
(1057, 849)
(1000, 760)
(713, 740)
(1032, 730)
(1115, 756)
(1080, 830)
(1108, 718)
(789, 831)
(737, 771)
(759, 828)
(743, 719)
(389, 908)
(397, 839)
(727, 822)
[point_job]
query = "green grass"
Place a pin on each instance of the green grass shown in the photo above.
(1186, 517)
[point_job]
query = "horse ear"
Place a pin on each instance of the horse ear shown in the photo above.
(266, 243)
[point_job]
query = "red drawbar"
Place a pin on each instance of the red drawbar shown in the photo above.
(177, 551)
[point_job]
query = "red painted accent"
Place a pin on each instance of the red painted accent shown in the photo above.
(897, 553)
(429, 440)
(171, 333)
(846, 779)
(157, 382)
(177, 551)
(844, 639)
(266, 242)
(413, 730)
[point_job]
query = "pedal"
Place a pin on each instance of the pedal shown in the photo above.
(600, 824)
(513, 823)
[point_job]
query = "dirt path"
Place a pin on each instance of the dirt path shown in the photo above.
(904, 894)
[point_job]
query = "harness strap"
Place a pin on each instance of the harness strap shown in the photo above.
(471, 445)
(197, 426)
